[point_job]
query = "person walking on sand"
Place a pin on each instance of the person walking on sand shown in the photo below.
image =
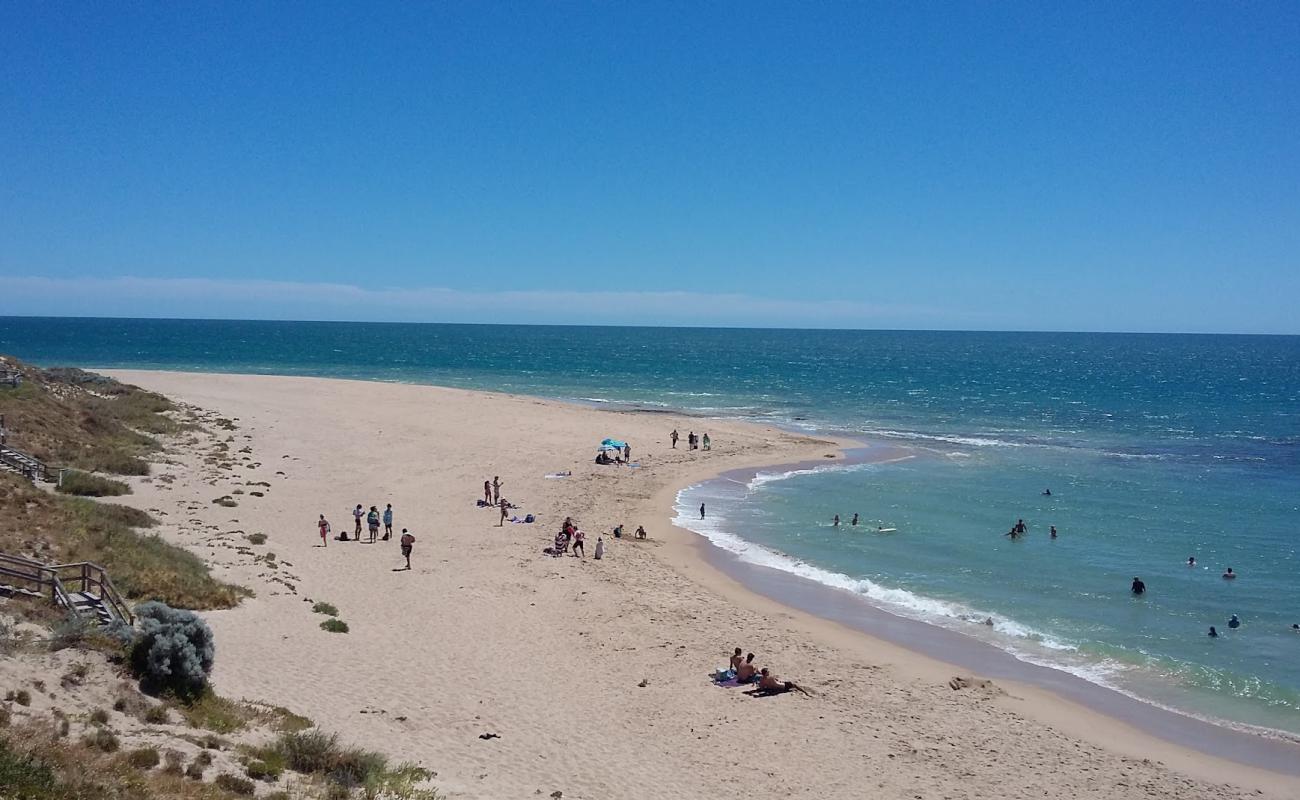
(690, 440)
(600, 547)
(357, 514)
(372, 522)
(496, 488)
(505, 510)
(705, 441)
(578, 536)
(407, 540)
(487, 493)
(674, 436)
(701, 511)
(324, 526)
(388, 522)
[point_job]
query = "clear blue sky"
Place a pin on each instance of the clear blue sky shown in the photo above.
(1003, 165)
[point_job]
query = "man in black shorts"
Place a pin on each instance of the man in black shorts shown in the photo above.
(407, 540)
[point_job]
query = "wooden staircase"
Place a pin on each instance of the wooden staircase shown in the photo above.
(28, 466)
(81, 587)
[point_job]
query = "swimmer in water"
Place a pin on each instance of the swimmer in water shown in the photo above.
(1191, 561)
(1295, 627)
(1213, 633)
(1047, 493)
(1229, 575)
(855, 520)
(1053, 531)
(835, 523)
(1138, 586)
(1233, 622)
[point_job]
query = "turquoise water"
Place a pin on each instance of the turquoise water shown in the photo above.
(1155, 448)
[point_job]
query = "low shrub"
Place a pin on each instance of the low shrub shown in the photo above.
(334, 626)
(22, 697)
(327, 609)
(156, 715)
(235, 784)
(144, 758)
(87, 484)
(173, 762)
(195, 770)
(102, 739)
(256, 538)
(267, 769)
(99, 717)
(174, 651)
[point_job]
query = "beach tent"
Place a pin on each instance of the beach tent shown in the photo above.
(612, 444)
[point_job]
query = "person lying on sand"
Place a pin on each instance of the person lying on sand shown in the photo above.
(769, 684)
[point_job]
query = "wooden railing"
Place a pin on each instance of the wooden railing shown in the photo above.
(28, 466)
(53, 580)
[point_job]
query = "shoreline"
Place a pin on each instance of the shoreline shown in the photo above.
(688, 554)
(1251, 746)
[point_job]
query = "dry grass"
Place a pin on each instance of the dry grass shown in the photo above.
(85, 484)
(221, 715)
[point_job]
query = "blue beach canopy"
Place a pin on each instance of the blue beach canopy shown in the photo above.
(612, 444)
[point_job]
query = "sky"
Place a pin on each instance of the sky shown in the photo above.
(961, 165)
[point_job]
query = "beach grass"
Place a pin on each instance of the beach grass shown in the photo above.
(86, 484)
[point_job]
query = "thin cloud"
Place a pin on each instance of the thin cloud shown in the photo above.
(284, 300)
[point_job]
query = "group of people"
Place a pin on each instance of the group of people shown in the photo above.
(693, 442)
(742, 671)
(571, 540)
(373, 519)
(623, 456)
(1138, 588)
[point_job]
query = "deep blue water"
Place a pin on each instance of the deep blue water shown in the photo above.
(1156, 447)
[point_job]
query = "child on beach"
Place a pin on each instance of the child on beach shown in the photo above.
(578, 536)
(407, 540)
(324, 526)
(388, 522)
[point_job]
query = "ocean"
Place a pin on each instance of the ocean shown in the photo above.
(1156, 448)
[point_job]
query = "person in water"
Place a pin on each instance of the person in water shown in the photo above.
(855, 520)
(1191, 561)
(1213, 633)
(1047, 493)
(1138, 586)
(1053, 531)
(701, 511)
(1234, 622)
(835, 523)
(1229, 575)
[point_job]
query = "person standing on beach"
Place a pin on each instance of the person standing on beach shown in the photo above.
(496, 489)
(487, 493)
(324, 526)
(407, 540)
(701, 511)
(627, 453)
(690, 440)
(674, 437)
(600, 547)
(505, 509)
(388, 522)
(372, 522)
(357, 514)
(578, 536)
(707, 446)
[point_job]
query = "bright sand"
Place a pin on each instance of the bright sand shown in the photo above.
(487, 635)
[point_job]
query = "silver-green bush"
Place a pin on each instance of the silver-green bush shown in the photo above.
(173, 652)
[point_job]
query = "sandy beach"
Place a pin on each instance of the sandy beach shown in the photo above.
(593, 675)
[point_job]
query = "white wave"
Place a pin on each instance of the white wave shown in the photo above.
(973, 441)
(899, 601)
(762, 478)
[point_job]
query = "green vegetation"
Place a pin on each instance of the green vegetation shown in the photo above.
(256, 538)
(22, 697)
(346, 768)
(99, 717)
(327, 609)
(143, 567)
(102, 739)
(212, 712)
(334, 626)
(79, 419)
(235, 784)
(85, 484)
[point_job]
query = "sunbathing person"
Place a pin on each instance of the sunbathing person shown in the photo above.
(745, 670)
(769, 684)
(736, 658)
